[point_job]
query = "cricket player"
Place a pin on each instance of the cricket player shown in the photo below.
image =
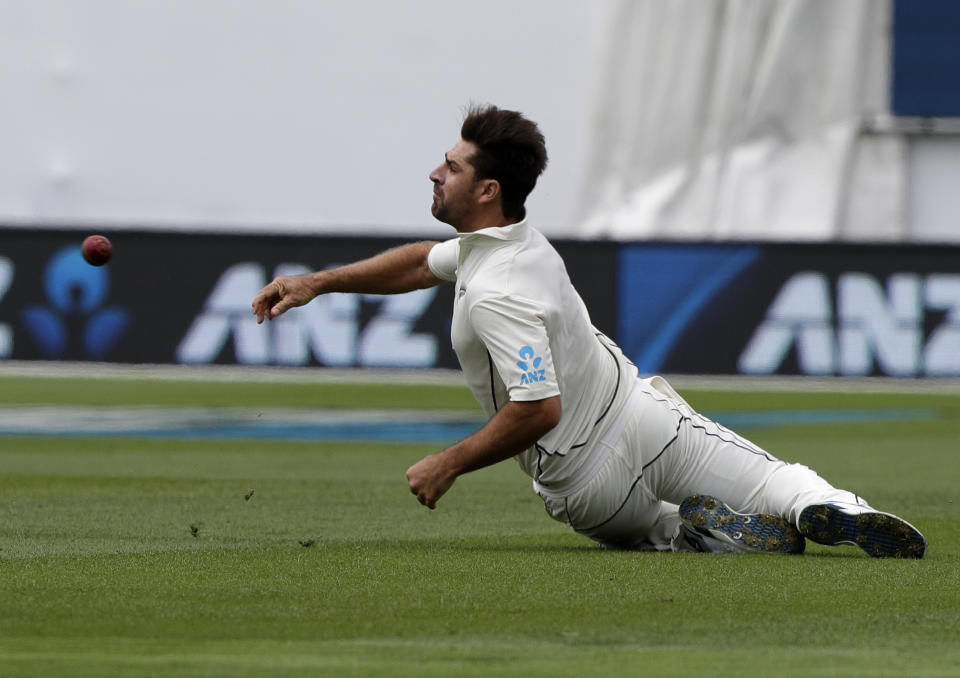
(621, 459)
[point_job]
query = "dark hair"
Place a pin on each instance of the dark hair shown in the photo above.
(510, 149)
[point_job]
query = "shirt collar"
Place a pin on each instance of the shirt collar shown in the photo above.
(511, 232)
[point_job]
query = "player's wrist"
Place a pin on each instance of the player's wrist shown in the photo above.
(317, 283)
(453, 462)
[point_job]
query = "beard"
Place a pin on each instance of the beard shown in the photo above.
(440, 211)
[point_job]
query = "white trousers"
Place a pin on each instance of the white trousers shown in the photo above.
(659, 451)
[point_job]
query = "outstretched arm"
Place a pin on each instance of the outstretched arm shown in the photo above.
(517, 426)
(401, 269)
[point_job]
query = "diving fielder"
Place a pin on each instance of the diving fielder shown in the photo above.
(621, 459)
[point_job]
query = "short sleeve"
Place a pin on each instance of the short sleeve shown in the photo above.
(443, 259)
(515, 335)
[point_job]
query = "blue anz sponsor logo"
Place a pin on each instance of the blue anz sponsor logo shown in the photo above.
(75, 296)
(531, 370)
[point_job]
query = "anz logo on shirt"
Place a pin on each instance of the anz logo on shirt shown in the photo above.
(531, 370)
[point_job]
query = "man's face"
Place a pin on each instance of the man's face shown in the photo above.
(454, 185)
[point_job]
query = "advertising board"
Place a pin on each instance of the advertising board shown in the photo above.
(844, 310)
(173, 297)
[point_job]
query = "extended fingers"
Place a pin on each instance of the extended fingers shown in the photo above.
(265, 299)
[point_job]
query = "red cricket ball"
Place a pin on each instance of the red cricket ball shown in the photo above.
(96, 249)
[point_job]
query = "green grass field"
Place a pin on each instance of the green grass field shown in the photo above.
(145, 557)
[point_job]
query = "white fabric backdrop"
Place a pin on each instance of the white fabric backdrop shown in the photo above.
(742, 119)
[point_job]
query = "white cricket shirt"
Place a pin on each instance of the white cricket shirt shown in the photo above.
(522, 332)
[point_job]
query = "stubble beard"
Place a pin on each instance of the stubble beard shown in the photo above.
(440, 211)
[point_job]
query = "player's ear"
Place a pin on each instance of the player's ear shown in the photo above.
(489, 190)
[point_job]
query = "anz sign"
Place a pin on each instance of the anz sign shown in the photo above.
(531, 371)
(907, 325)
(333, 330)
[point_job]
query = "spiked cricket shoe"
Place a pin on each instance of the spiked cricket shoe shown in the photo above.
(880, 535)
(710, 525)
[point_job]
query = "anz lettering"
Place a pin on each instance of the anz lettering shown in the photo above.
(905, 326)
(531, 371)
(328, 329)
(6, 332)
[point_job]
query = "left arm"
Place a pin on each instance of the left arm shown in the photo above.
(513, 429)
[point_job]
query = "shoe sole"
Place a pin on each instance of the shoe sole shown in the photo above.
(757, 533)
(880, 535)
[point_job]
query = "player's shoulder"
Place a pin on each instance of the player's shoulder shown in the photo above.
(442, 259)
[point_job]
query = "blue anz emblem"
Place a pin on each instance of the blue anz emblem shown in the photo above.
(531, 371)
(76, 293)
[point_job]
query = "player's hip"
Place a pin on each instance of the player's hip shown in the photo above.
(613, 467)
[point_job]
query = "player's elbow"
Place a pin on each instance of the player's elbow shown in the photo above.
(533, 419)
(549, 412)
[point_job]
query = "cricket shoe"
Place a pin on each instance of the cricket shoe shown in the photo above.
(881, 535)
(710, 525)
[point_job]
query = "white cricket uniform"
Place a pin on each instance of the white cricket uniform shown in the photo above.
(626, 450)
